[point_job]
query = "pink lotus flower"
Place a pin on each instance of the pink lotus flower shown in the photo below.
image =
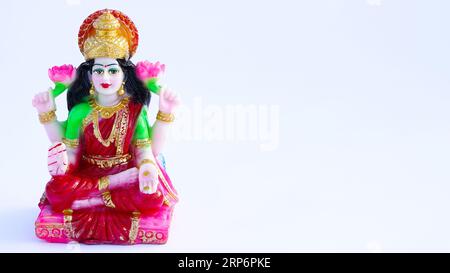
(64, 74)
(146, 70)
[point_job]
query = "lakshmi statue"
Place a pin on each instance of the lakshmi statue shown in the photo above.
(108, 180)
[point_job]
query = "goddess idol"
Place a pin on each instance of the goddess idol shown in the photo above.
(108, 181)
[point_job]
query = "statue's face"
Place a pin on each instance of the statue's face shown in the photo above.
(107, 76)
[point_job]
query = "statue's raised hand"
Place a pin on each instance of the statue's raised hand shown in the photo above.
(44, 102)
(57, 160)
(168, 100)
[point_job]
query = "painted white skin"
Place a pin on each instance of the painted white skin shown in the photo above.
(168, 102)
(44, 102)
(107, 77)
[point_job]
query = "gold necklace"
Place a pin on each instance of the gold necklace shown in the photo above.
(98, 134)
(108, 111)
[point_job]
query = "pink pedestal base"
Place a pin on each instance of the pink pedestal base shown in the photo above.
(153, 229)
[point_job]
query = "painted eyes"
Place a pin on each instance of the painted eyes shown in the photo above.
(111, 71)
(98, 71)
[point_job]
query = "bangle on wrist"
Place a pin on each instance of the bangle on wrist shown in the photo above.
(47, 117)
(71, 143)
(146, 161)
(166, 117)
(142, 143)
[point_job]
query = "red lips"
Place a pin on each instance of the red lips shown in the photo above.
(105, 85)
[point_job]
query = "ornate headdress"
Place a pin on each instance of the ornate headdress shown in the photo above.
(108, 33)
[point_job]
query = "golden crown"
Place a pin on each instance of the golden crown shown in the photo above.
(107, 33)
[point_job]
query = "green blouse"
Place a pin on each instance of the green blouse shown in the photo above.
(79, 112)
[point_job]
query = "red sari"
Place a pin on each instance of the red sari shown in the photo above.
(107, 223)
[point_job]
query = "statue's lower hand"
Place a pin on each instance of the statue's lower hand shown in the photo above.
(148, 178)
(44, 102)
(57, 159)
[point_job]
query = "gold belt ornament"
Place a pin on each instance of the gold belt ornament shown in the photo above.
(107, 162)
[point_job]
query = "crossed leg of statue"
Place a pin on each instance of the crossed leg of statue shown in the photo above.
(77, 192)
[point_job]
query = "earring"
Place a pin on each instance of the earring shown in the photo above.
(121, 91)
(92, 90)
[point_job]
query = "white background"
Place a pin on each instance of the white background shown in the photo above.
(363, 139)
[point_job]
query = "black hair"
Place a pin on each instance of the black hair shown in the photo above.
(79, 90)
